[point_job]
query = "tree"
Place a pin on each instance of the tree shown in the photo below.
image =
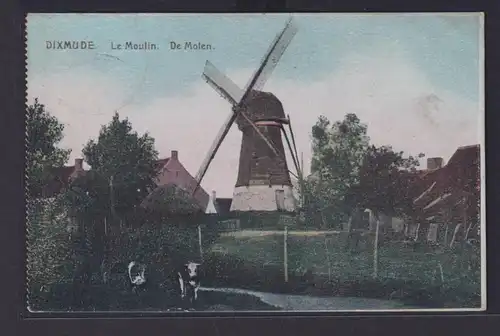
(381, 186)
(383, 181)
(125, 162)
(338, 151)
(43, 133)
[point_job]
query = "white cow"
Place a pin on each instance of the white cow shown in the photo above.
(189, 280)
(136, 275)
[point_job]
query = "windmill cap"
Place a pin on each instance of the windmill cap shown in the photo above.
(262, 106)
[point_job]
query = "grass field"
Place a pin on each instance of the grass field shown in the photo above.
(324, 253)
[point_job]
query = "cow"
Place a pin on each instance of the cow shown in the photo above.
(136, 275)
(189, 281)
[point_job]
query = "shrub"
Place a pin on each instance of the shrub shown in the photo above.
(95, 276)
(48, 246)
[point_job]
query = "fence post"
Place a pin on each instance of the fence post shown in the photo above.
(328, 259)
(375, 249)
(285, 252)
(200, 241)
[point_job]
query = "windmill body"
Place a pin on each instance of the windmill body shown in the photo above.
(263, 182)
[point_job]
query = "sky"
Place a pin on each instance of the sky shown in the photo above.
(416, 80)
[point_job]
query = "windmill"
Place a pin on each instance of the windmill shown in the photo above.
(263, 182)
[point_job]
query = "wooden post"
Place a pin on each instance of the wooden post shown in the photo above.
(375, 248)
(328, 260)
(200, 241)
(417, 231)
(441, 272)
(285, 253)
(454, 237)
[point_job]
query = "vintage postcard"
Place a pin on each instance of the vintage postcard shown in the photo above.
(285, 162)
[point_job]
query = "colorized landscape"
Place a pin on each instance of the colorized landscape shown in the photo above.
(345, 177)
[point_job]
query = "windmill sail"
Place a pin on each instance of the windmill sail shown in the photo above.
(271, 58)
(215, 146)
(222, 84)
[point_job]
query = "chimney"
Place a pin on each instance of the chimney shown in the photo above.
(174, 155)
(78, 164)
(434, 163)
(214, 195)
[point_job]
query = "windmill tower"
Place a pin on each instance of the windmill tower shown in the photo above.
(263, 182)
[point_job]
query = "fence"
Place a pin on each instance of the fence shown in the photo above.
(327, 256)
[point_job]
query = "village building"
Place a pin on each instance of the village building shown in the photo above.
(60, 179)
(448, 199)
(170, 172)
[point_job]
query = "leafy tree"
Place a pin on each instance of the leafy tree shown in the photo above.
(123, 165)
(338, 151)
(381, 186)
(43, 133)
(89, 196)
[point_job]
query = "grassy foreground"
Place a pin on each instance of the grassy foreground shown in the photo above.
(426, 275)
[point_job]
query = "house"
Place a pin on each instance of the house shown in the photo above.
(172, 172)
(451, 193)
(446, 194)
(61, 177)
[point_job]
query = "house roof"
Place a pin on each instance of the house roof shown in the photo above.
(61, 176)
(60, 179)
(465, 154)
(201, 196)
(459, 177)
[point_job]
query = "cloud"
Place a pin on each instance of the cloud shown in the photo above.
(399, 104)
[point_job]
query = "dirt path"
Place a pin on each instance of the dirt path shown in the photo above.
(305, 303)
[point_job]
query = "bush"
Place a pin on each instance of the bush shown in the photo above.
(48, 246)
(95, 276)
